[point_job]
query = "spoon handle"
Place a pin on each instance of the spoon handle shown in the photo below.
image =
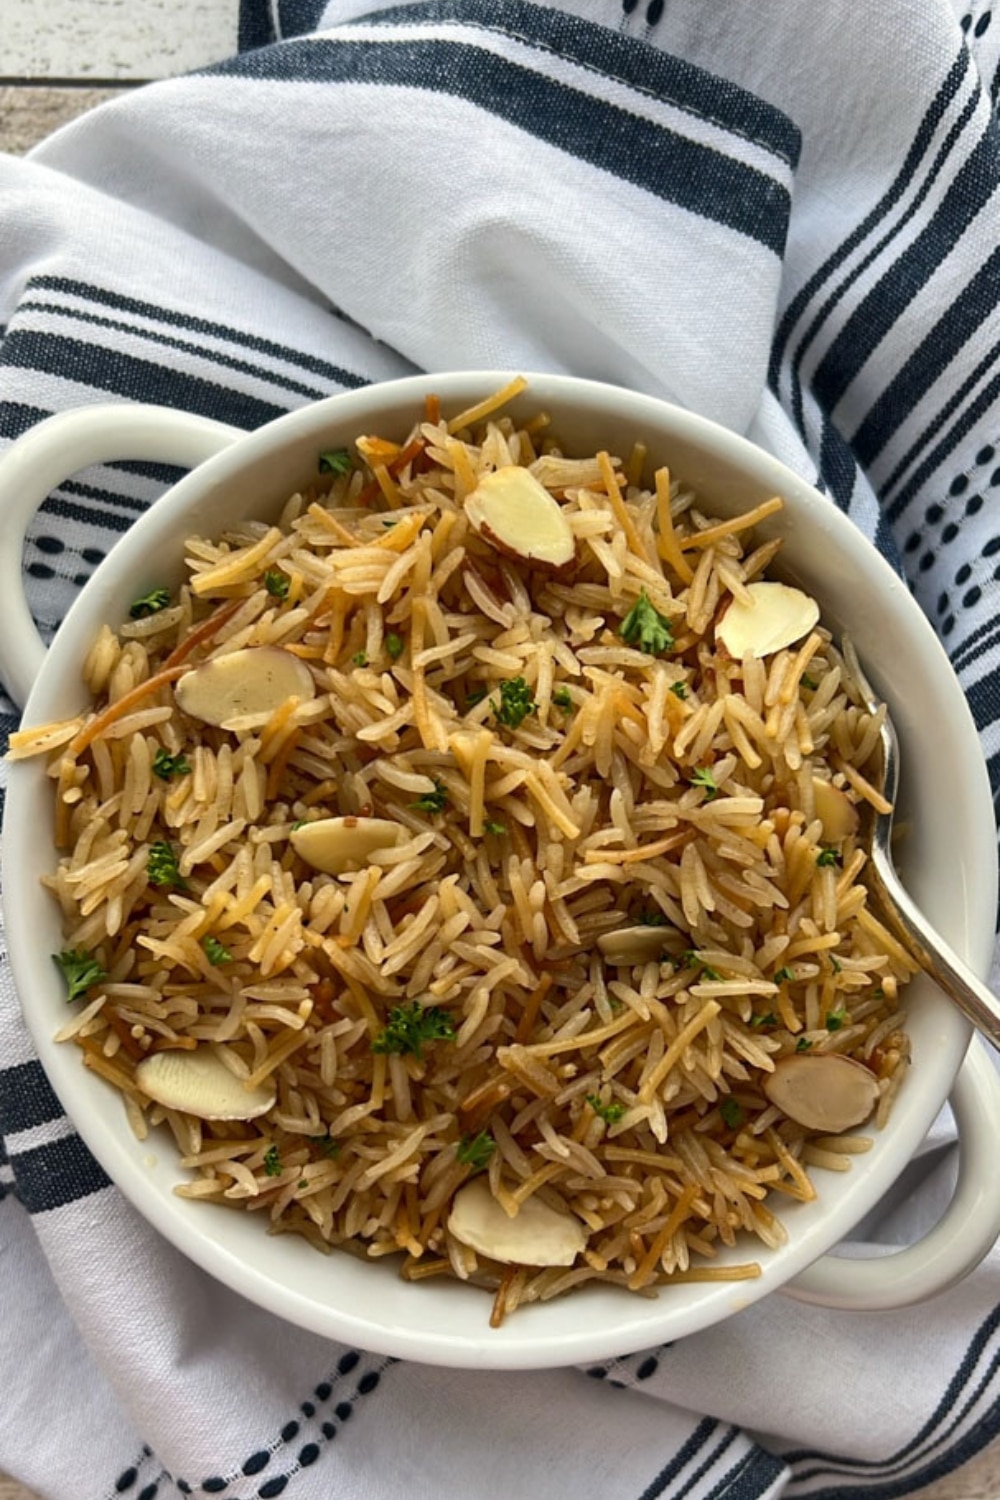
(933, 954)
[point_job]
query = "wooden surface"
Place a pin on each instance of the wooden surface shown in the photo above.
(61, 57)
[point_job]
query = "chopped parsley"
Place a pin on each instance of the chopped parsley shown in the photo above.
(827, 857)
(803, 1044)
(703, 777)
(277, 583)
(299, 823)
(732, 1113)
(410, 1026)
(646, 628)
(166, 765)
(432, 802)
(216, 952)
(476, 696)
(80, 970)
(393, 646)
(609, 1113)
(651, 919)
(162, 865)
(679, 690)
(562, 699)
(272, 1162)
(809, 682)
(475, 1150)
(878, 993)
(835, 1019)
(360, 659)
(335, 461)
(835, 964)
(783, 975)
(516, 703)
(494, 828)
(329, 1146)
(150, 604)
(767, 1019)
(694, 962)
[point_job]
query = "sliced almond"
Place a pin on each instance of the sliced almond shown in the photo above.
(633, 945)
(822, 1092)
(256, 680)
(777, 616)
(199, 1083)
(519, 517)
(336, 845)
(835, 811)
(538, 1236)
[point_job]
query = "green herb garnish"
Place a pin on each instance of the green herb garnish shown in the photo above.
(277, 583)
(679, 690)
(703, 777)
(651, 919)
(609, 1113)
(432, 802)
(272, 1162)
(360, 659)
(475, 1150)
(803, 1044)
(166, 765)
(329, 1146)
(162, 865)
(835, 964)
(80, 970)
(216, 952)
(561, 698)
(150, 604)
(394, 646)
(768, 1019)
(516, 703)
(835, 1019)
(732, 1113)
(476, 696)
(646, 628)
(827, 857)
(494, 828)
(783, 976)
(809, 682)
(410, 1027)
(694, 962)
(335, 461)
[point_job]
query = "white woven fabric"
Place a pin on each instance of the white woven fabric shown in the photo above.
(784, 217)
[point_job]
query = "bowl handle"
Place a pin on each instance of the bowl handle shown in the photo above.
(46, 455)
(960, 1239)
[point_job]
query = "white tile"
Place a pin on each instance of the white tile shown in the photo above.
(113, 38)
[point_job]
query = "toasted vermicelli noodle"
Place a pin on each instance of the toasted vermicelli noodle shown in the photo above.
(445, 1009)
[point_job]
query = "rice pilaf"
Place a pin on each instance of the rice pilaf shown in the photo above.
(515, 898)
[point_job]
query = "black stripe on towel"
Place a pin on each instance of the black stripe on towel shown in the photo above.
(672, 167)
(55, 1174)
(970, 190)
(944, 342)
(932, 119)
(26, 1099)
(615, 55)
(103, 297)
(137, 379)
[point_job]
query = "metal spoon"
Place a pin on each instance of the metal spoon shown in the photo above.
(937, 959)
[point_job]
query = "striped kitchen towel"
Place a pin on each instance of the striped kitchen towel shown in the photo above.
(783, 216)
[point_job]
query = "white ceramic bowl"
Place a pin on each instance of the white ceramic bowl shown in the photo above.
(950, 868)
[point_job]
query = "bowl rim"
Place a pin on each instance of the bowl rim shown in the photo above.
(517, 1345)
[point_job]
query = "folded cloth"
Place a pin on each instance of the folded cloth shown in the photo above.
(785, 218)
